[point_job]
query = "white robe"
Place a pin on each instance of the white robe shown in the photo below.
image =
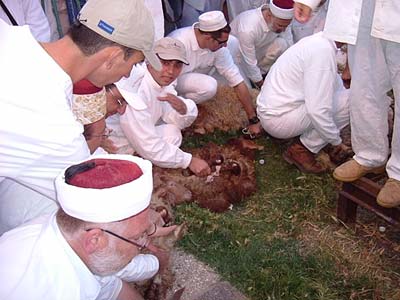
(303, 95)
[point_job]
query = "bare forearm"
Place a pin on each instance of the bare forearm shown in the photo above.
(244, 96)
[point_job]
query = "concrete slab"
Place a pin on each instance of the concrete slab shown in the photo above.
(200, 281)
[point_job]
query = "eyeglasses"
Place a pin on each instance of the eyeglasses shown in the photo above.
(141, 242)
(120, 101)
(219, 42)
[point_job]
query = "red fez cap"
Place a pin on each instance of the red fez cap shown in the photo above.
(85, 87)
(285, 4)
(102, 173)
(105, 189)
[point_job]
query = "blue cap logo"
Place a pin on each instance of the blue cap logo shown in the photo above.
(106, 27)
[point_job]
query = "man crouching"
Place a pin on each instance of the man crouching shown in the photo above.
(91, 247)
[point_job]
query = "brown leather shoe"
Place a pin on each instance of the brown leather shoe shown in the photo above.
(303, 159)
(389, 195)
(352, 170)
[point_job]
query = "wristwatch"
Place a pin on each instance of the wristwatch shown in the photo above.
(254, 120)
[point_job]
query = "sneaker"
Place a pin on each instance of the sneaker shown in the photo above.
(352, 170)
(303, 159)
(389, 196)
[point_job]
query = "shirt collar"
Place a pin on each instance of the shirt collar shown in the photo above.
(194, 45)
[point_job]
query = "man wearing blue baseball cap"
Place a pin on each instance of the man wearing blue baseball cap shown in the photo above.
(108, 39)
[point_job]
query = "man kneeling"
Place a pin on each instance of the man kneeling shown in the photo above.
(304, 95)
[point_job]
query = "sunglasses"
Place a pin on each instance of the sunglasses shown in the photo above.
(219, 42)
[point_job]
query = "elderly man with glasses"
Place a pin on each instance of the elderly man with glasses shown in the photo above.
(90, 248)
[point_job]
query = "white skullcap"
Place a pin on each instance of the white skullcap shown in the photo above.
(211, 21)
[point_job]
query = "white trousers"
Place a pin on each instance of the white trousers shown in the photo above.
(197, 87)
(297, 122)
(375, 68)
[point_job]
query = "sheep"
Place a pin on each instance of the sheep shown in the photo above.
(223, 112)
(232, 180)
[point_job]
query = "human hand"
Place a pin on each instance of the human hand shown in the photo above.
(302, 12)
(199, 167)
(175, 102)
(255, 129)
(108, 145)
(252, 131)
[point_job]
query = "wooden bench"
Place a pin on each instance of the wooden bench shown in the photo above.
(363, 193)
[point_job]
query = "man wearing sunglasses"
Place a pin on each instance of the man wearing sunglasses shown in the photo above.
(206, 47)
(91, 246)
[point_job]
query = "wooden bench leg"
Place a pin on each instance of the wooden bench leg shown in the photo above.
(346, 210)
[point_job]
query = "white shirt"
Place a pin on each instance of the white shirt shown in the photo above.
(305, 74)
(254, 38)
(38, 263)
(39, 133)
(203, 60)
(28, 12)
(145, 112)
(342, 21)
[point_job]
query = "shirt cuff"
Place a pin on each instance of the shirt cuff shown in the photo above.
(187, 158)
(235, 80)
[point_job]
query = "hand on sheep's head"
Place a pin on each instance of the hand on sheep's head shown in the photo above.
(255, 129)
(199, 167)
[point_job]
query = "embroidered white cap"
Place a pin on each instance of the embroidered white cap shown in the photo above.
(126, 22)
(282, 9)
(107, 188)
(211, 21)
(88, 102)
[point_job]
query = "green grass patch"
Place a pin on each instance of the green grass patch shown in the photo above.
(258, 245)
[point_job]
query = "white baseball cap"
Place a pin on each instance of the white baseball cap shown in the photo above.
(171, 49)
(126, 22)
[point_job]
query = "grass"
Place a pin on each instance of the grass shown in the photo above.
(284, 242)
